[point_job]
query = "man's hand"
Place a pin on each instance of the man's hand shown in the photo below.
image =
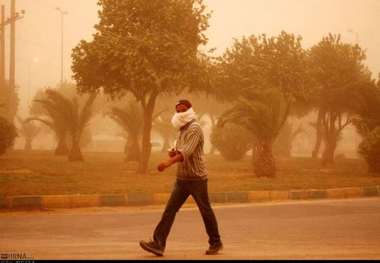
(162, 166)
(177, 157)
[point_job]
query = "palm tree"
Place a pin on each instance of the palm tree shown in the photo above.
(29, 131)
(67, 118)
(130, 120)
(55, 119)
(78, 119)
(263, 113)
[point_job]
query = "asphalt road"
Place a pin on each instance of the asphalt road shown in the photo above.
(328, 229)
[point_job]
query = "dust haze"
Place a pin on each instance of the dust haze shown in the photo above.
(38, 47)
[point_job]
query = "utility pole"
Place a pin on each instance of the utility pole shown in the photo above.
(2, 47)
(63, 13)
(12, 62)
(12, 65)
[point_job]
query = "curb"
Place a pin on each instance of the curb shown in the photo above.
(142, 199)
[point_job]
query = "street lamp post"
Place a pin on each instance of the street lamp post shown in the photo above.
(2, 47)
(62, 13)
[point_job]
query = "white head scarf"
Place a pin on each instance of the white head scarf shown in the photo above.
(180, 119)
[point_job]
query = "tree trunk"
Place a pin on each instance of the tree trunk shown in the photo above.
(62, 149)
(263, 160)
(75, 152)
(132, 150)
(146, 138)
(330, 136)
(329, 152)
(146, 146)
(318, 141)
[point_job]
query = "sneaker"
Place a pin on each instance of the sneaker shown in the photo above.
(152, 247)
(214, 249)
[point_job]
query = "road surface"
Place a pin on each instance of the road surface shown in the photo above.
(328, 229)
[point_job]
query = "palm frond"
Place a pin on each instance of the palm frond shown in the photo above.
(50, 109)
(56, 113)
(28, 129)
(48, 123)
(130, 118)
(58, 99)
(263, 113)
(64, 108)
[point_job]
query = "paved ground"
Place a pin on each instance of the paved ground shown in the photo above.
(328, 229)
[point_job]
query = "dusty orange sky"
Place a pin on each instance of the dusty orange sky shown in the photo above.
(38, 34)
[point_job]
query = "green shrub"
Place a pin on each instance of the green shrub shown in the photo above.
(232, 141)
(369, 148)
(7, 135)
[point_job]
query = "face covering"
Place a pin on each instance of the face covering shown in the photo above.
(182, 118)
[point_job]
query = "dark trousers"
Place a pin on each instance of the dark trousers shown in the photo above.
(182, 190)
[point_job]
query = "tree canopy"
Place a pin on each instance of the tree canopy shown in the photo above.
(261, 62)
(340, 78)
(265, 77)
(145, 48)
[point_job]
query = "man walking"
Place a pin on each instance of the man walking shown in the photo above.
(191, 180)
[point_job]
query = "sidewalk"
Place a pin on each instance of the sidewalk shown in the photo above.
(142, 199)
